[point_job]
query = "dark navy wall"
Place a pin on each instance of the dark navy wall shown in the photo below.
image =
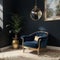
(53, 27)
(4, 33)
(6, 18)
(9, 8)
(23, 7)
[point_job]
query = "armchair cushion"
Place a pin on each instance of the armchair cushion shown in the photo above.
(32, 44)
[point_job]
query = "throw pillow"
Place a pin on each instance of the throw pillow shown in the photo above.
(36, 38)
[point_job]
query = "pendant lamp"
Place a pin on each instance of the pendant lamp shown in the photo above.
(35, 13)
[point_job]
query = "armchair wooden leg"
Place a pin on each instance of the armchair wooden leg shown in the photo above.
(23, 49)
(0, 50)
(38, 51)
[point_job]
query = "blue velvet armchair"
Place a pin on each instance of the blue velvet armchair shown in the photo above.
(30, 42)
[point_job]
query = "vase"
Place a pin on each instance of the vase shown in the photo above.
(15, 42)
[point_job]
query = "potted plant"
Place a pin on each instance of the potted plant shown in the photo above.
(16, 27)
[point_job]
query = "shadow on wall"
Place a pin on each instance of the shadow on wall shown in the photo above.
(53, 41)
(0, 32)
(0, 36)
(0, 29)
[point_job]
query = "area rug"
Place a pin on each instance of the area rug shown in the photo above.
(16, 58)
(26, 58)
(30, 55)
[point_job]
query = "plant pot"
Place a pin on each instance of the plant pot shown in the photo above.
(15, 43)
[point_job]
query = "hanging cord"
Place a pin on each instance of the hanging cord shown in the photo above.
(35, 5)
(35, 2)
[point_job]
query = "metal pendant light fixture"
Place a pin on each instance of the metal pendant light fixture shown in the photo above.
(35, 13)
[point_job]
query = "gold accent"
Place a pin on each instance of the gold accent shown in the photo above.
(15, 44)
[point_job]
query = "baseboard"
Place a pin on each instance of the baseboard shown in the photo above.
(53, 47)
(48, 47)
(4, 48)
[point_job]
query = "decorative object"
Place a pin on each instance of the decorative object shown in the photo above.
(52, 10)
(36, 38)
(36, 43)
(15, 43)
(16, 27)
(35, 12)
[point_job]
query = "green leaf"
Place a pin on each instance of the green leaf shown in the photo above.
(16, 23)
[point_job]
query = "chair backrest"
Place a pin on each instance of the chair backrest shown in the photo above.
(42, 28)
(38, 33)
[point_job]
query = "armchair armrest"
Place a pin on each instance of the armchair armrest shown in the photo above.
(42, 41)
(23, 36)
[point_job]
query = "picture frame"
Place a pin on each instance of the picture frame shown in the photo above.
(52, 10)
